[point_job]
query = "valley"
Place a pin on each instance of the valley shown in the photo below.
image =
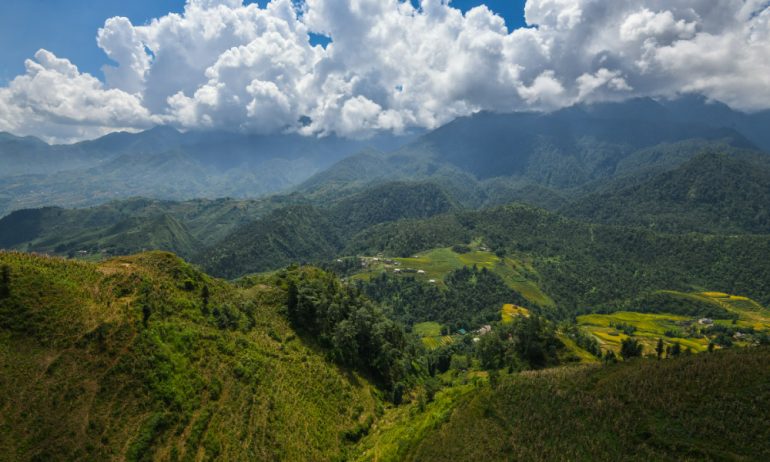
(462, 289)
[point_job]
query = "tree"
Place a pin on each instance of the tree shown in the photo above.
(659, 348)
(494, 378)
(292, 301)
(205, 297)
(630, 348)
(676, 349)
(5, 282)
(711, 347)
(609, 357)
(146, 312)
(398, 393)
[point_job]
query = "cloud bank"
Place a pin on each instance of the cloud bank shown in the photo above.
(390, 66)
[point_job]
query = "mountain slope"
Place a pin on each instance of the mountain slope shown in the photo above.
(129, 226)
(702, 407)
(288, 235)
(560, 151)
(145, 358)
(583, 266)
(163, 163)
(306, 233)
(713, 192)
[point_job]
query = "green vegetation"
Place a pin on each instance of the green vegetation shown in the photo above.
(469, 298)
(305, 233)
(719, 191)
(84, 379)
(584, 267)
(699, 407)
(355, 331)
(129, 226)
(741, 318)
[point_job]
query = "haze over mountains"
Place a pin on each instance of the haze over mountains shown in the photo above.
(166, 164)
(486, 158)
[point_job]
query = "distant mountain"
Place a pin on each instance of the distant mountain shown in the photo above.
(163, 163)
(489, 159)
(124, 227)
(714, 192)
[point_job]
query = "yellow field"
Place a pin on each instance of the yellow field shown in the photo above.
(510, 311)
(430, 334)
(649, 328)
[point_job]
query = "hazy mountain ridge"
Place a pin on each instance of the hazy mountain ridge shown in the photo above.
(490, 159)
(163, 163)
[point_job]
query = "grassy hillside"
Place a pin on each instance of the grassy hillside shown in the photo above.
(700, 407)
(145, 358)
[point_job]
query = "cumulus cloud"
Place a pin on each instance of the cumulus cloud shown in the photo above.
(54, 100)
(390, 65)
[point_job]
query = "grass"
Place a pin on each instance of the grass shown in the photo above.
(437, 263)
(84, 378)
(403, 428)
(573, 348)
(698, 407)
(430, 334)
(427, 329)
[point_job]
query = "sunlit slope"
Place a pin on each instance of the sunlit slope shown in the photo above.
(145, 358)
(699, 407)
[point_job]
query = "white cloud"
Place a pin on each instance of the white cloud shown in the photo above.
(661, 27)
(390, 66)
(55, 101)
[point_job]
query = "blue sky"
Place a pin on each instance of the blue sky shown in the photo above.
(68, 27)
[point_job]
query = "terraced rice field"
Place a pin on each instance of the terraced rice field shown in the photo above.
(430, 334)
(750, 313)
(649, 328)
(510, 311)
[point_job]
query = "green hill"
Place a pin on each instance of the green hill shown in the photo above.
(583, 267)
(130, 226)
(145, 358)
(306, 233)
(714, 192)
(700, 407)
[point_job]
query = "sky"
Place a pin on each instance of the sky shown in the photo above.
(78, 69)
(68, 27)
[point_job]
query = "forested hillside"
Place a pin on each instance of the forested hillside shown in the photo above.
(309, 233)
(585, 266)
(714, 192)
(145, 358)
(129, 226)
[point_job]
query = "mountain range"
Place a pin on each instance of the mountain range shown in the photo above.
(459, 294)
